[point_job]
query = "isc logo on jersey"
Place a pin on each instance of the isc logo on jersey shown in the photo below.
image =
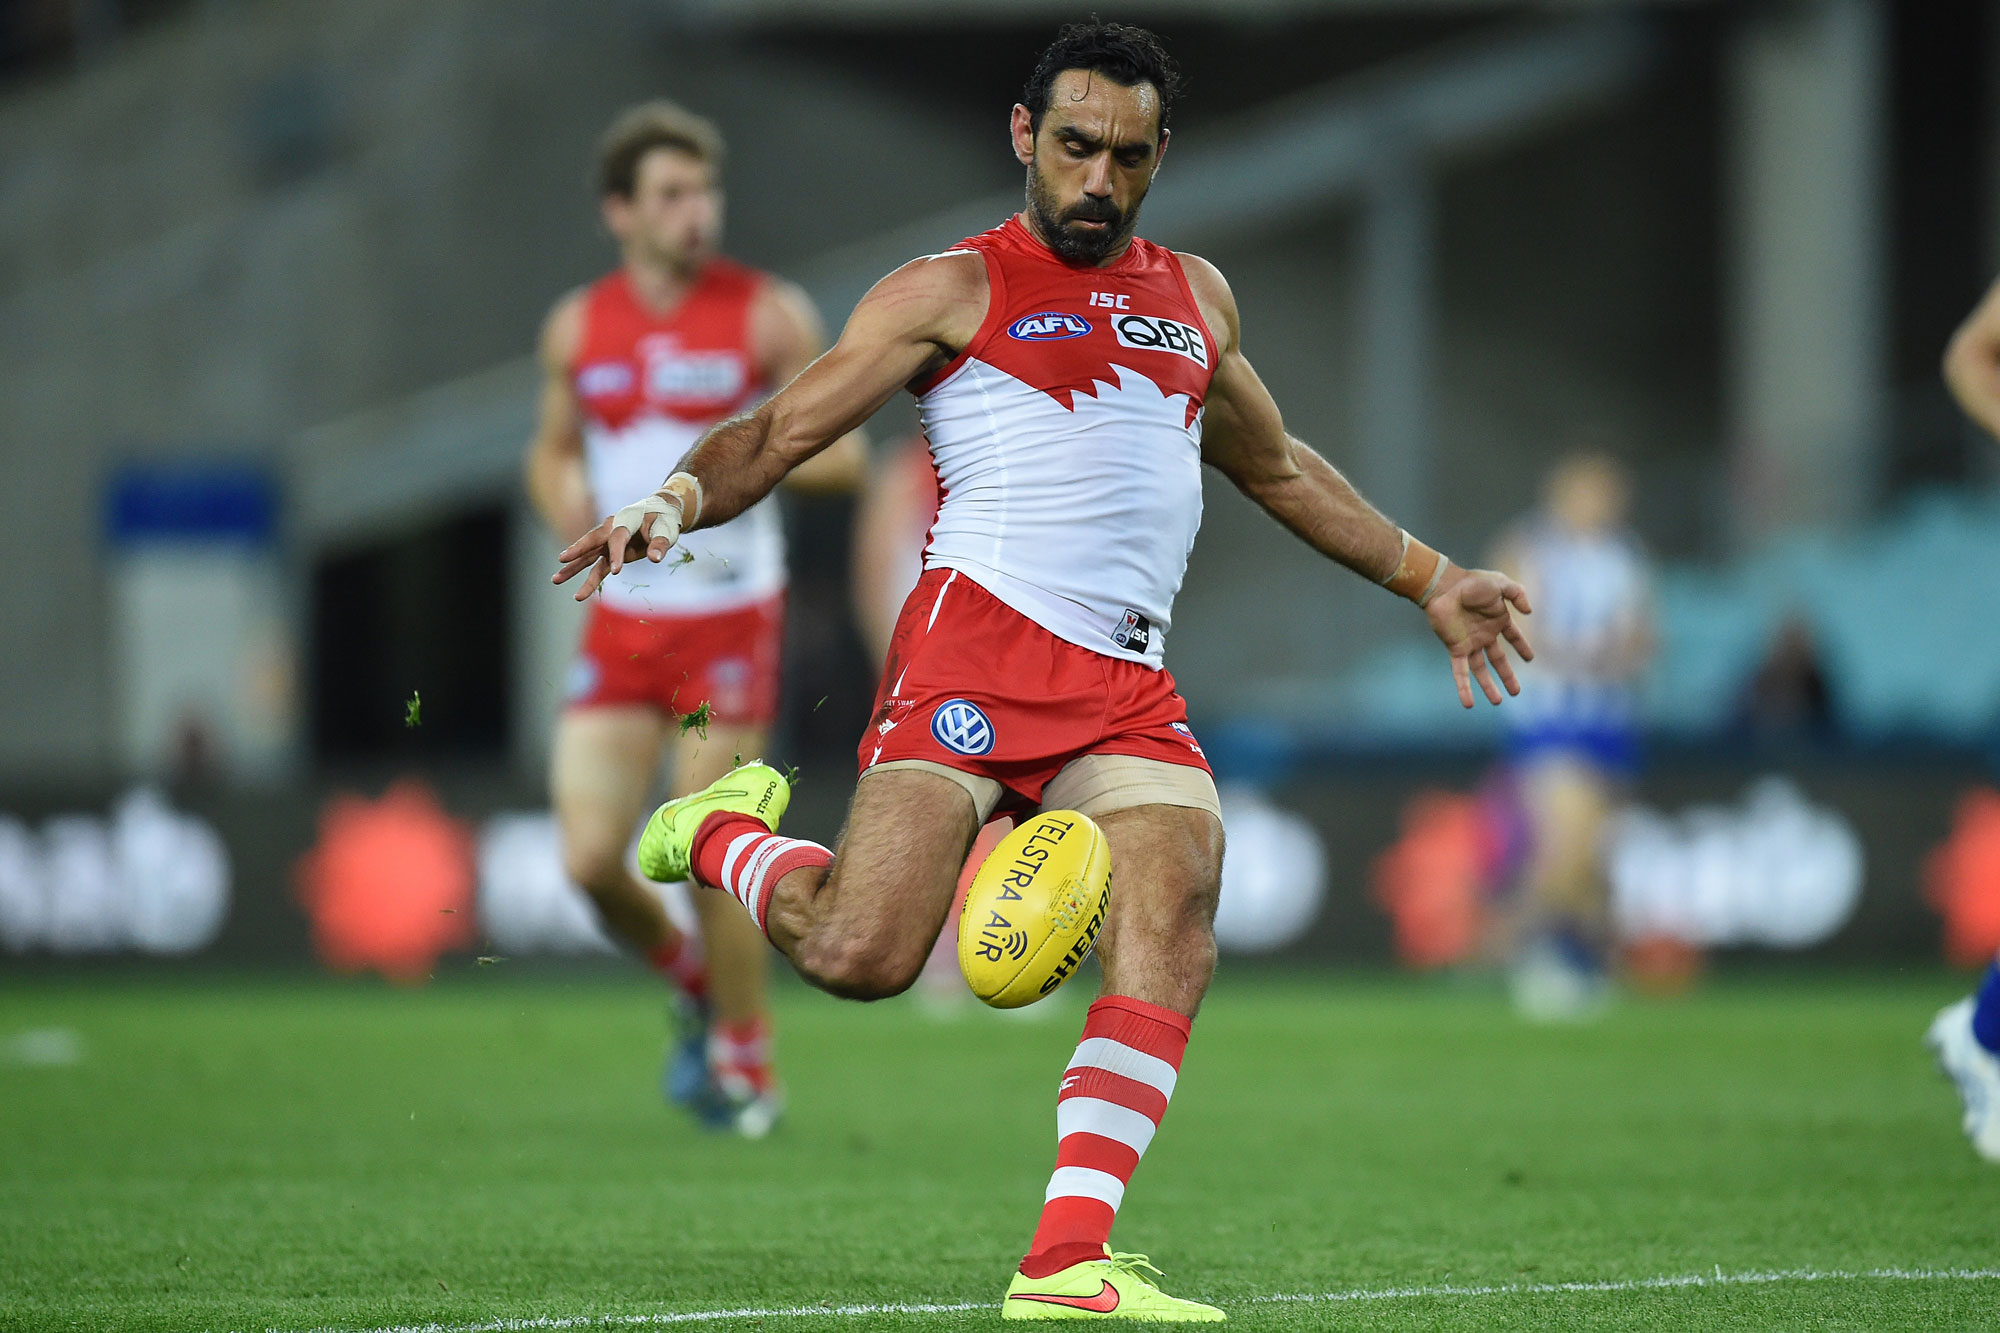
(1047, 326)
(1151, 333)
(1034, 909)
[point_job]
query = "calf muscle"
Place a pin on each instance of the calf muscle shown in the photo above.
(862, 926)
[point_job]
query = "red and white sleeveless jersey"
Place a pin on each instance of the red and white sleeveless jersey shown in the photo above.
(1067, 441)
(650, 385)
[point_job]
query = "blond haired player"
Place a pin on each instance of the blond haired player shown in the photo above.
(635, 367)
(1072, 379)
(1573, 741)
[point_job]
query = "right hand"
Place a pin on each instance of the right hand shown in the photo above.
(648, 528)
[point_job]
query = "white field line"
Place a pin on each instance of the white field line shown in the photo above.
(1447, 1290)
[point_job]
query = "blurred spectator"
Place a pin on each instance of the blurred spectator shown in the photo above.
(1788, 698)
(1573, 742)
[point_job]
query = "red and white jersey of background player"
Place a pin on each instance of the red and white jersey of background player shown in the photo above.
(650, 385)
(1067, 441)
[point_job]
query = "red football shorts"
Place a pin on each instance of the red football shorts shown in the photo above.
(974, 685)
(674, 663)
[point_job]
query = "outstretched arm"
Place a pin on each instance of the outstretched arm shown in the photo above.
(910, 322)
(1244, 436)
(1972, 363)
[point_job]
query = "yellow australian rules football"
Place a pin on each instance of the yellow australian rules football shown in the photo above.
(1034, 909)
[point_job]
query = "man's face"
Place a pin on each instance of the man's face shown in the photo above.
(674, 216)
(1091, 164)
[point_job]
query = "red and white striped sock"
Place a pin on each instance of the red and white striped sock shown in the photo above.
(740, 1053)
(679, 961)
(740, 856)
(1113, 1095)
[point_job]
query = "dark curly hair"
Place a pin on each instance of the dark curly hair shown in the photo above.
(1126, 55)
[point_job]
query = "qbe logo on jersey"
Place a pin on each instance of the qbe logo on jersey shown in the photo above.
(1151, 333)
(959, 725)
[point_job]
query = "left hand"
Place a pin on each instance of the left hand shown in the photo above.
(1471, 612)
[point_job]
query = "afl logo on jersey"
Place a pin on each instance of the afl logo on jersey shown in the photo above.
(1152, 334)
(959, 725)
(1048, 326)
(604, 379)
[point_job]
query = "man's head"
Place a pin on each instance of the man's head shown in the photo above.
(657, 169)
(1091, 127)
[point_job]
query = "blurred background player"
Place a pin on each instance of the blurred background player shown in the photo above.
(1966, 1035)
(1573, 744)
(684, 658)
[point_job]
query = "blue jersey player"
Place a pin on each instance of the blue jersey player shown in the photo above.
(1966, 1035)
(1573, 745)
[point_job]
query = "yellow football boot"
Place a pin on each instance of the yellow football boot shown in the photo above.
(1107, 1288)
(755, 790)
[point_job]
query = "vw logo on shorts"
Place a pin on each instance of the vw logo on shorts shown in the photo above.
(959, 725)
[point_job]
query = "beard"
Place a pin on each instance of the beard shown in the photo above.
(1080, 245)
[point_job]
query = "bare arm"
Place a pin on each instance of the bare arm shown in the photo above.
(786, 331)
(554, 471)
(1244, 437)
(910, 322)
(1972, 363)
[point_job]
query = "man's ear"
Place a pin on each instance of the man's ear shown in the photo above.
(615, 211)
(1160, 153)
(1023, 127)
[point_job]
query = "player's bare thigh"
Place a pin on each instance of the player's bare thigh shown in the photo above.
(864, 929)
(602, 762)
(1569, 801)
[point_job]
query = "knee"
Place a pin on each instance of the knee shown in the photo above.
(857, 968)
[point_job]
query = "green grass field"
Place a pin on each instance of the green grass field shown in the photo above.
(262, 1155)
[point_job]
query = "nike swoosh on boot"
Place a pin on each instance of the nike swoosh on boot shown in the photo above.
(1104, 1302)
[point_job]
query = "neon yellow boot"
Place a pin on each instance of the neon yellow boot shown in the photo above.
(1107, 1288)
(756, 790)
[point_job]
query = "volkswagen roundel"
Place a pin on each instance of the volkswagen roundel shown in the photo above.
(958, 724)
(1047, 326)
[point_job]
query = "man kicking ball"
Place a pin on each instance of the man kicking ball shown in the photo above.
(1072, 378)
